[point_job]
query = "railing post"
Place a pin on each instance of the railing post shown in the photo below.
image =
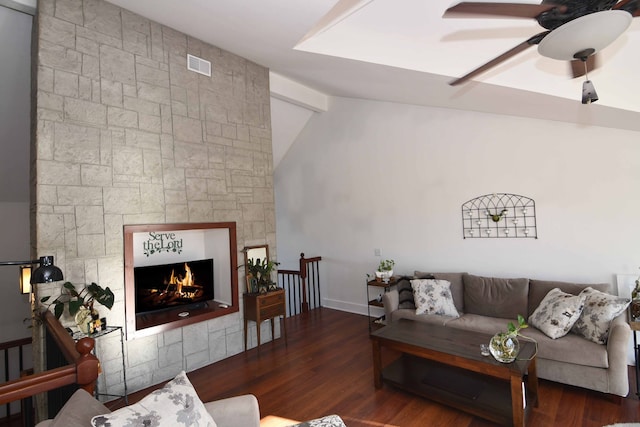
(303, 278)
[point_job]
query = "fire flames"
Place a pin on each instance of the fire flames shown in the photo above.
(178, 289)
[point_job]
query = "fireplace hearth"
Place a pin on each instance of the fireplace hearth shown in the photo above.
(159, 287)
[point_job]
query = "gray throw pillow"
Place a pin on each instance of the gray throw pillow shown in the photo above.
(405, 294)
(78, 410)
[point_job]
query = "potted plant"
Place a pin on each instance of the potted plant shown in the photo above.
(385, 269)
(259, 274)
(80, 303)
(504, 346)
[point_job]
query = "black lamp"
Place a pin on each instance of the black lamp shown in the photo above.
(45, 273)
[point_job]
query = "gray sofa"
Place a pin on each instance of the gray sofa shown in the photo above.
(487, 305)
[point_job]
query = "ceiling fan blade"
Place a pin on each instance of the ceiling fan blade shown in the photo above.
(510, 10)
(497, 60)
(577, 66)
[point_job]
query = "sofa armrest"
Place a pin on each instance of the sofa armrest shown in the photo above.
(238, 411)
(617, 344)
(390, 300)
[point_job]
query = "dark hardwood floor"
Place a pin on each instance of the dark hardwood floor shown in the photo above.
(326, 368)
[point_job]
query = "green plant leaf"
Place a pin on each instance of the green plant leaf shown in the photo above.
(58, 308)
(45, 299)
(105, 297)
(74, 306)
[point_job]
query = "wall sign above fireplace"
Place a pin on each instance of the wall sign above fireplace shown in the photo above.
(161, 242)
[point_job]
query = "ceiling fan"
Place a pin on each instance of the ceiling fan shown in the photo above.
(575, 29)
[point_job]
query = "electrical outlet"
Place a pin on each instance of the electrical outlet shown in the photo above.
(376, 252)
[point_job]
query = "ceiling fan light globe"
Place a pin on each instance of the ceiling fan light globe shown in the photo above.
(593, 31)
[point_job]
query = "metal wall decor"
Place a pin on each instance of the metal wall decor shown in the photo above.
(499, 215)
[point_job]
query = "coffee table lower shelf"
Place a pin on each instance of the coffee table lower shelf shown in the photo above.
(471, 392)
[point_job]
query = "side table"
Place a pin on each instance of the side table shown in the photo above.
(106, 331)
(635, 328)
(260, 307)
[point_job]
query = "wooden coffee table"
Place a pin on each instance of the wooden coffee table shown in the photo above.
(444, 364)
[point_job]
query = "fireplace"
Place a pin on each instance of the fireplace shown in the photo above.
(163, 286)
(178, 274)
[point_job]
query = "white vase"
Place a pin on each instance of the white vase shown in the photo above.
(384, 275)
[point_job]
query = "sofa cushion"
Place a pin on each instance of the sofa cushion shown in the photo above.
(433, 296)
(599, 310)
(538, 289)
(571, 349)
(78, 411)
(557, 313)
(495, 297)
(176, 404)
(457, 287)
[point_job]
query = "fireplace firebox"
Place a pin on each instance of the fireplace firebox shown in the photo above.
(163, 286)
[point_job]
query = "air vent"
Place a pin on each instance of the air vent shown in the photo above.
(199, 65)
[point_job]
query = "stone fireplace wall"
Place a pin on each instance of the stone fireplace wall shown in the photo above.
(125, 134)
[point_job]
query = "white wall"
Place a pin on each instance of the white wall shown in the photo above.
(14, 307)
(367, 175)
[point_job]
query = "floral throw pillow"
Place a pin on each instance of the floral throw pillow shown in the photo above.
(600, 309)
(433, 296)
(557, 313)
(174, 405)
(328, 421)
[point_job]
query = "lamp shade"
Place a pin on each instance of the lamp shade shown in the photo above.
(594, 31)
(46, 272)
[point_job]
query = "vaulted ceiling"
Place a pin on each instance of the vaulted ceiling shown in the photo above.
(405, 51)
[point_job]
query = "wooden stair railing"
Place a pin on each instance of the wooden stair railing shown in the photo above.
(82, 369)
(9, 350)
(302, 286)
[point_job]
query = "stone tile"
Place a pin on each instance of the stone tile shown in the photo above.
(177, 213)
(197, 189)
(76, 144)
(187, 129)
(142, 139)
(84, 111)
(111, 93)
(141, 106)
(153, 93)
(102, 17)
(89, 219)
(121, 117)
(50, 230)
(135, 22)
(136, 42)
(91, 245)
(58, 57)
(87, 46)
(65, 84)
(73, 195)
(128, 161)
(169, 355)
(201, 211)
(153, 200)
(195, 338)
(60, 173)
(116, 64)
(152, 75)
(191, 155)
(122, 200)
(150, 123)
(91, 66)
(57, 31)
(152, 163)
(50, 101)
